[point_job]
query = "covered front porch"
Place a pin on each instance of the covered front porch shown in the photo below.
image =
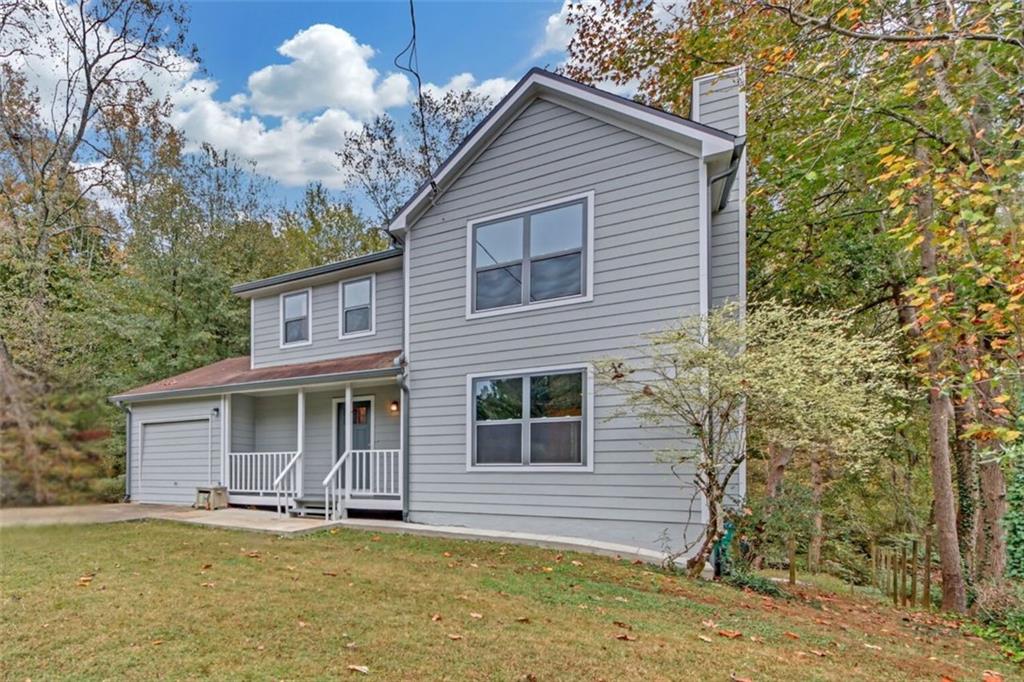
(316, 451)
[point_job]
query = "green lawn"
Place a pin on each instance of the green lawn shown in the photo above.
(174, 601)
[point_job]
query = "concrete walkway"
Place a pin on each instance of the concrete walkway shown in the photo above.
(253, 520)
(83, 513)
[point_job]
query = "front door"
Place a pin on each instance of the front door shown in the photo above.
(362, 426)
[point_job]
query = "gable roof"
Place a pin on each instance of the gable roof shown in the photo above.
(235, 373)
(661, 125)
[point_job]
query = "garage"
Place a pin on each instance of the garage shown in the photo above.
(174, 457)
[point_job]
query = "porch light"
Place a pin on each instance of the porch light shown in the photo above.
(393, 407)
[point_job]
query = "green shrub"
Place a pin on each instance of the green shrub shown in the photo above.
(108, 489)
(744, 579)
(999, 609)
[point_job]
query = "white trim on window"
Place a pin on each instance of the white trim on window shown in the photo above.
(587, 422)
(372, 277)
(309, 318)
(588, 256)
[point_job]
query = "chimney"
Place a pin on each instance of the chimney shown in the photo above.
(719, 101)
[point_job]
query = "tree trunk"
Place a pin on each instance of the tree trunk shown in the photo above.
(991, 540)
(966, 468)
(954, 594)
(817, 532)
(778, 459)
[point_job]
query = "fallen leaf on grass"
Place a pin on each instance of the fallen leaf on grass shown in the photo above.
(207, 584)
(873, 646)
(359, 669)
(436, 618)
(331, 574)
(991, 676)
(446, 555)
(730, 634)
(351, 645)
(478, 616)
(522, 619)
(157, 642)
(705, 638)
(709, 624)
(756, 639)
(454, 636)
(206, 566)
(303, 624)
(622, 599)
(253, 554)
(734, 678)
(823, 654)
(375, 538)
(576, 563)
(791, 635)
(85, 580)
(619, 623)
(625, 637)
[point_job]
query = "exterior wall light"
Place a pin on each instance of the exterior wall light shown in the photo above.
(393, 407)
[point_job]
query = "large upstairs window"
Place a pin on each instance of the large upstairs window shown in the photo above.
(538, 256)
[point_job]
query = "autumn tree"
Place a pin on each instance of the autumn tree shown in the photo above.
(885, 158)
(781, 376)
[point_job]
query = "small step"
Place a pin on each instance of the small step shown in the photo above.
(308, 506)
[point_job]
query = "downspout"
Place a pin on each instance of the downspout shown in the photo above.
(729, 174)
(127, 450)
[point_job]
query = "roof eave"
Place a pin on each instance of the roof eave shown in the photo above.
(246, 387)
(249, 289)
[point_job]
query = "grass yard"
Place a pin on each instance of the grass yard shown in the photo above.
(157, 600)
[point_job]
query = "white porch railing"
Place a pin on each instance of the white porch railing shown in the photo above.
(362, 474)
(255, 472)
(287, 483)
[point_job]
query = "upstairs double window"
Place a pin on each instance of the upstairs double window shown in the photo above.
(296, 327)
(538, 256)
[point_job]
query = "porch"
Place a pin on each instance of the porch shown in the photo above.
(316, 452)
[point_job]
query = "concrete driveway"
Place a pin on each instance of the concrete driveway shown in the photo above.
(83, 513)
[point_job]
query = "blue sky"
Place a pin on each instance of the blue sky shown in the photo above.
(281, 82)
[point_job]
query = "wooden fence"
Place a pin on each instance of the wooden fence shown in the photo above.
(903, 570)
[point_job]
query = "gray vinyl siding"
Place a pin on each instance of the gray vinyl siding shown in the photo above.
(645, 277)
(171, 458)
(325, 344)
(243, 427)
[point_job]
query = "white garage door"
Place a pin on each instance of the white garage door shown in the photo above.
(176, 457)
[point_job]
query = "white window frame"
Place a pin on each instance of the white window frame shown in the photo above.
(309, 318)
(588, 255)
(587, 425)
(373, 307)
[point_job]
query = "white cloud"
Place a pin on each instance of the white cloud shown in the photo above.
(494, 88)
(291, 118)
(329, 69)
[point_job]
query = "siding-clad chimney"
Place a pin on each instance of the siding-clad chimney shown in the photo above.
(719, 101)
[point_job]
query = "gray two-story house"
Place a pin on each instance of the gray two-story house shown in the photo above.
(450, 377)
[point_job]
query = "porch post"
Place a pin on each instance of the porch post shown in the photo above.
(225, 429)
(301, 431)
(348, 442)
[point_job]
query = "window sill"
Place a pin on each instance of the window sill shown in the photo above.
(533, 468)
(356, 335)
(295, 344)
(511, 310)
